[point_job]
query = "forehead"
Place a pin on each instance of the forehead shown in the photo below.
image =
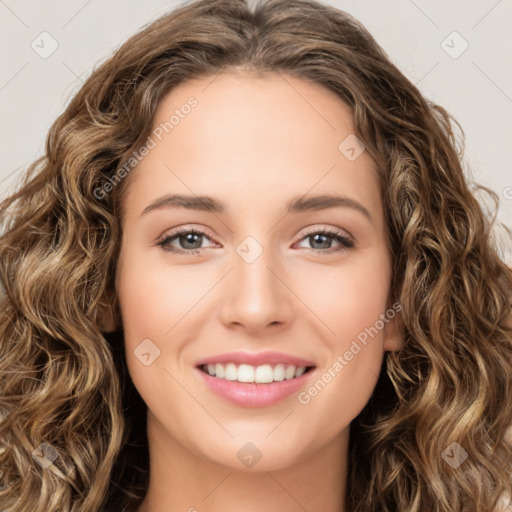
(256, 112)
(248, 139)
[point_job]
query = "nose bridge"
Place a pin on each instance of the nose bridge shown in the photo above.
(255, 296)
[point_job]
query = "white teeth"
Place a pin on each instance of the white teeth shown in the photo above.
(245, 373)
(262, 374)
(279, 372)
(290, 372)
(300, 371)
(231, 372)
(219, 371)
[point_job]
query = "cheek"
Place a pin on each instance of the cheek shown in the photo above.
(352, 303)
(145, 301)
(158, 302)
(340, 391)
(361, 302)
(348, 298)
(153, 296)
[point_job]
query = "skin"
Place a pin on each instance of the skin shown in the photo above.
(252, 143)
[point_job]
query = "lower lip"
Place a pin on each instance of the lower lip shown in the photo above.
(252, 394)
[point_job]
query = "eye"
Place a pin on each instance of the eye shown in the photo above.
(322, 239)
(190, 240)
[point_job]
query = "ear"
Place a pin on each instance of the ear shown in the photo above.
(393, 339)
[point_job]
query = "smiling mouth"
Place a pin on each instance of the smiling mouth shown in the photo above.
(263, 374)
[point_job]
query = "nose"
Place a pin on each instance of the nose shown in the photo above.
(256, 296)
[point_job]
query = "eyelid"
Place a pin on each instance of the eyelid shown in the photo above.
(331, 230)
(309, 230)
(187, 228)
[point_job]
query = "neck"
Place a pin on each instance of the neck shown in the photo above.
(184, 481)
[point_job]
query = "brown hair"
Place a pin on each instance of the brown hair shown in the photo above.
(63, 381)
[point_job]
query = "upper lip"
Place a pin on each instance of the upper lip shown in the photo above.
(256, 359)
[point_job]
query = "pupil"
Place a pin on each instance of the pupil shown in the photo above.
(189, 238)
(318, 238)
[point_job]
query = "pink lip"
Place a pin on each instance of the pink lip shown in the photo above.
(256, 359)
(252, 394)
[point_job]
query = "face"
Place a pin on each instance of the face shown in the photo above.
(244, 280)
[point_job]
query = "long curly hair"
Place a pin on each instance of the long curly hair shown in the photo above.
(63, 380)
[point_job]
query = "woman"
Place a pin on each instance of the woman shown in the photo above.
(254, 368)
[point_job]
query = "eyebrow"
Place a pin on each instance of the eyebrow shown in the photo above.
(295, 205)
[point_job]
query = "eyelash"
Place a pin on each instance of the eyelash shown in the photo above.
(165, 242)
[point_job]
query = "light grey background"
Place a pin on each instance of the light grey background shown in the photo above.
(476, 86)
